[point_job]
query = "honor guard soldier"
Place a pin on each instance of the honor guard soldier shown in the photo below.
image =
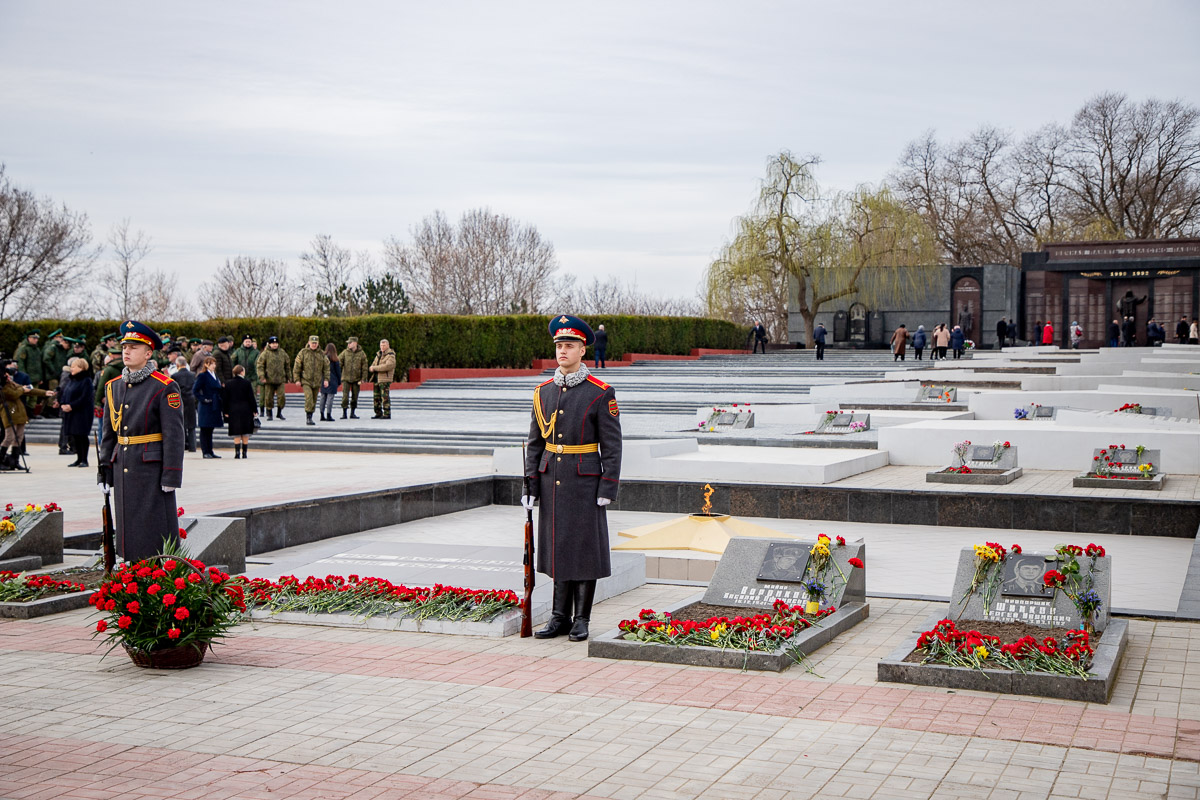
(141, 446)
(573, 465)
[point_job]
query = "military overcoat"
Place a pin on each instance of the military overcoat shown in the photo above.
(573, 540)
(144, 513)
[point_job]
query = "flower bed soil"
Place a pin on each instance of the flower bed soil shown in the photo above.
(1007, 632)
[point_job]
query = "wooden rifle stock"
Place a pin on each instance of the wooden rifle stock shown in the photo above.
(527, 608)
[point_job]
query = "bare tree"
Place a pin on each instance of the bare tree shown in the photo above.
(124, 278)
(252, 287)
(486, 264)
(44, 251)
(158, 297)
(326, 265)
(1119, 170)
(864, 244)
(614, 296)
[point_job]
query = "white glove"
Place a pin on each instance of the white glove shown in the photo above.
(168, 489)
(527, 502)
(602, 501)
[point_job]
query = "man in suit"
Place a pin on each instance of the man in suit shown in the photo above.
(760, 336)
(601, 347)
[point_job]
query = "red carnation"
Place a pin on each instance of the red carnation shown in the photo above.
(1016, 548)
(841, 541)
(174, 633)
(170, 563)
(856, 562)
(179, 511)
(101, 626)
(168, 599)
(124, 622)
(180, 584)
(133, 607)
(153, 589)
(182, 533)
(194, 578)
(182, 613)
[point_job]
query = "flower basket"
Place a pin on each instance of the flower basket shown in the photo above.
(181, 657)
(167, 610)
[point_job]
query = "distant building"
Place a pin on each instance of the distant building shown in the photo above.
(974, 297)
(1092, 282)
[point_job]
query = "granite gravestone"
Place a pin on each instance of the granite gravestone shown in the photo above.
(1013, 591)
(937, 394)
(1040, 413)
(36, 542)
(737, 582)
(840, 423)
(1124, 461)
(727, 419)
(987, 457)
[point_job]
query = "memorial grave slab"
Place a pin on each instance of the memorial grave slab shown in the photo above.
(840, 423)
(38, 535)
(217, 540)
(1035, 413)
(1116, 467)
(421, 564)
(750, 577)
(1015, 590)
(937, 394)
(980, 464)
(725, 419)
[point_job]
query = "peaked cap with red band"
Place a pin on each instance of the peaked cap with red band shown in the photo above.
(134, 331)
(566, 328)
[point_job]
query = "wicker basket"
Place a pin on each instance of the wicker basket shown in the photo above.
(181, 657)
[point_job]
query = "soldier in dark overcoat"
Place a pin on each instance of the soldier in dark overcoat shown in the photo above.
(573, 465)
(141, 446)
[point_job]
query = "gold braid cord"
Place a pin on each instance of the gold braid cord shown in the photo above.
(114, 413)
(546, 429)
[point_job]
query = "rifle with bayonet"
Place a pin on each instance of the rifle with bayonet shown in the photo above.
(527, 608)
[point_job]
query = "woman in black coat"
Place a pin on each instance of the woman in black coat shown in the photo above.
(208, 391)
(241, 407)
(75, 400)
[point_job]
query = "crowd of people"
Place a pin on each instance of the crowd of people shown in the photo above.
(221, 386)
(941, 341)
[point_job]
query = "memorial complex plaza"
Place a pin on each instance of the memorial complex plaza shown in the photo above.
(355, 711)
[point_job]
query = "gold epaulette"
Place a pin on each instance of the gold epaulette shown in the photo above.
(163, 379)
(597, 381)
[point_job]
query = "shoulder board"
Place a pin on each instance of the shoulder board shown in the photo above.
(597, 381)
(110, 380)
(543, 383)
(163, 379)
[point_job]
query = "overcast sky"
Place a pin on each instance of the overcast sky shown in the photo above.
(630, 134)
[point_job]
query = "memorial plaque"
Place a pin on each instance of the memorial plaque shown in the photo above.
(1044, 412)
(840, 423)
(1125, 462)
(981, 452)
(1125, 457)
(937, 394)
(1008, 595)
(784, 562)
(725, 419)
(1023, 576)
(983, 457)
(736, 581)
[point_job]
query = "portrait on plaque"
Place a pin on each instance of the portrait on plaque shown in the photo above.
(784, 562)
(1125, 457)
(1023, 576)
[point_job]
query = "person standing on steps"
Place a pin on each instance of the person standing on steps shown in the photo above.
(760, 337)
(247, 356)
(382, 369)
(330, 389)
(819, 339)
(240, 408)
(354, 372)
(272, 369)
(601, 347)
(311, 371)
(573, 466)
(207, 389)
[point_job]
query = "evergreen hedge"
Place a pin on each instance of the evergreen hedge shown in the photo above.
(428, 340)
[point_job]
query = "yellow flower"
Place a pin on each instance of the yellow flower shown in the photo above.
(981, 651)
(716, 634)
(29, 506)
(7, 526)
(820, 549)
(821, 537)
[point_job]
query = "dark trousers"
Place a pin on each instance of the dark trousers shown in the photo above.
(80, 444)
(760, 343)
(350, 394)
(206, 444)
(918, 351)
(600, 363)
(820, 351)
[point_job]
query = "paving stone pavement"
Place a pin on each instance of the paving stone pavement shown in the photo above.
(301, 712)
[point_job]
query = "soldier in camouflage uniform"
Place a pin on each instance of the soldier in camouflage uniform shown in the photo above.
(247, 356)
(382, 370)
(111, 369)
(272, 370)
(573, 465)
(54, 359)
(311, 371)
(29, 360)
(354, 372)
(100, 354)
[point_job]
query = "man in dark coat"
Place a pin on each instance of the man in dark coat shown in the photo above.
(187, 382)
(1001, 331)
(141, 448)
(224, 359)
(1114, 333)
(819, 340)
(573, 464)
(760, 336)
(1181, 331)
(1129, 332)
(601, 347)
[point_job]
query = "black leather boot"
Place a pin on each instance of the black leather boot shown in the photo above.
(560, 611)
(308, 420)
(585, 593)
(4, 459)
(352, 410)
(279, 414)
(270, 413)
(343, 413)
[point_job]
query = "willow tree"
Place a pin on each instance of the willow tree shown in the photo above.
(818, 248)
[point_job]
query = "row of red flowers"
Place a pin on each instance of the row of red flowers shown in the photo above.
(947, 644)
(762, 631)
(33, 587)
(376, 596)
